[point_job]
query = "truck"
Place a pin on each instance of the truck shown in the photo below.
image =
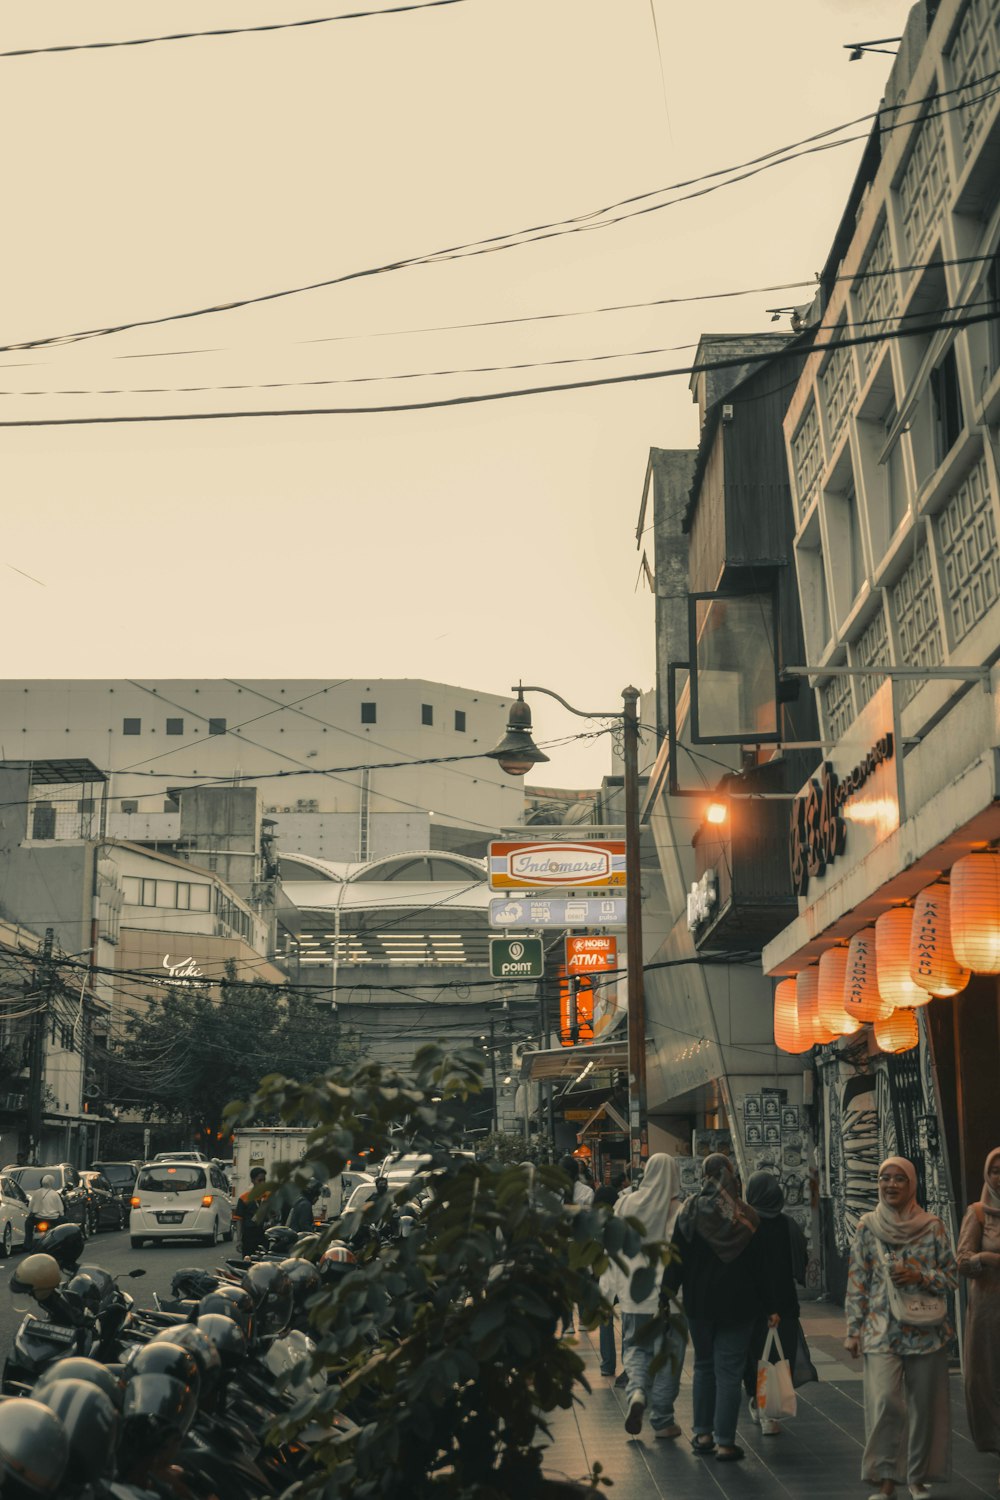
(266, 1146)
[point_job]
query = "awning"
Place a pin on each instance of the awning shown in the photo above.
(573, 1062)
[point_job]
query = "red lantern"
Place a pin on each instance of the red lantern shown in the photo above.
(898, 1032)
(830, 1008)
(862, 999)
(807, 1000)
(789, 1033)
(975, 911)
(892, 946)
(933, 964)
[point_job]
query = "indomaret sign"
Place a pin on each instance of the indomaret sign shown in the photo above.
(530, 865)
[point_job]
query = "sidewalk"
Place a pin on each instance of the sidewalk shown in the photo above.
(816, 1457)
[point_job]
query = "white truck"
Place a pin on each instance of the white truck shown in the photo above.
(266, 1146)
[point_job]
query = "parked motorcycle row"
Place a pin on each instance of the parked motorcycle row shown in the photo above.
(105, 1399)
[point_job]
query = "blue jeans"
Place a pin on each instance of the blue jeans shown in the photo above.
(720, 1356)
(606, 1344)
(636, 1357)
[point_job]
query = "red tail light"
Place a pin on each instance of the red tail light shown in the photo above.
(207, 1201)
(135, 1203)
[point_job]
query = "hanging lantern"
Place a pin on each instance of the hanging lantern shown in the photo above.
(807, 1000)
(898, 1032)
(975, 911)
(789, 1033)
(892, 947)
(831, 1015)
(861, 993)
(933, 964)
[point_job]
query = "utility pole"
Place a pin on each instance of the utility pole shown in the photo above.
(493, 1076)
(36, 1051)
(638, 1137)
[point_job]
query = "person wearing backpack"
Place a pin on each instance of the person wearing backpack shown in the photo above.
(979, 1260)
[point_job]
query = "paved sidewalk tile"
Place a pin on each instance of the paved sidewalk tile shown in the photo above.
(815, 1457)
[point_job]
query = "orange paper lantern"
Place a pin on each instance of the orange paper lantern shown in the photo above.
(898, 1032)
(807, 999)
(789, 1033)
(830, 1008)
(933, 964)
(862, 999)
(892, 947)
(975, 911)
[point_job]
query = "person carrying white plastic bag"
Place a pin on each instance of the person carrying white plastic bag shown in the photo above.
(775, 1391)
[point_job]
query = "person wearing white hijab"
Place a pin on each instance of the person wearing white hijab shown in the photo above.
(979, 1260)
(907, 1420)
(656, 1203)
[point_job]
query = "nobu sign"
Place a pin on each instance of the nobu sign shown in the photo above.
(590, 955)
(819, 831)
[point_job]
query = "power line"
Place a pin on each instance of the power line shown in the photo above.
(185, 36)
(442, 402)
(511, 239)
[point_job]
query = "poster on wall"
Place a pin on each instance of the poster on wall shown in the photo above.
(789, 1118)
(751, 1107)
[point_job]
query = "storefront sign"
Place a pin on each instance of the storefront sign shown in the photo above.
(182, 970)
(533, 865)
(516, 958)
(589, 955)
(819, 827)
(557, 911)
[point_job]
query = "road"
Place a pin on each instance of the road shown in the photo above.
(112, 1250)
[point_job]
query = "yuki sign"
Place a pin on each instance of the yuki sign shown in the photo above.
(557, 911)
(516, 958)
(532, 865)
(590, 954)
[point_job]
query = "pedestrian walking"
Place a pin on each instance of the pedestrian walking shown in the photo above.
(249, 1232)
(607, 1196)
(901, 1270)
(580, 1195)
(777, 1248)
(979, 1260)
(655, 1203)
(726, 1291)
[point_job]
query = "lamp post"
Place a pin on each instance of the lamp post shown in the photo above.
(516, 754)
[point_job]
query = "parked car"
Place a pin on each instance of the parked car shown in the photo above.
(13, 1214)
(180, 1156)
(107, 1211)
(66, 1181)
(180, 1199)
(121, 1175)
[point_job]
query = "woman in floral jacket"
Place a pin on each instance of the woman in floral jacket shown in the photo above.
(907, 1424)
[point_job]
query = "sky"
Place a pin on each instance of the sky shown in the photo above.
(477, 545)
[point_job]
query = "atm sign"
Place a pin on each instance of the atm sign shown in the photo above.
(591, 955)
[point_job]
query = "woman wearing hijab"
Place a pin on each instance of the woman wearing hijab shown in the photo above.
(726, 1291)
(906, 1366)
(979, 1259)
(777, 1251)
(655, 1203)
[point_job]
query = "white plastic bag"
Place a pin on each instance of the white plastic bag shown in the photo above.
(775, 1392)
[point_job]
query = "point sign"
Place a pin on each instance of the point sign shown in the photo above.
(516, 958)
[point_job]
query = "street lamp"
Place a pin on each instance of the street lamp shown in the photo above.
(516, 754)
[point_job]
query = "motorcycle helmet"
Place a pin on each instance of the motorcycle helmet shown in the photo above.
(227, 1336)
(205, 1354)
(232, 1302)
(84, 1286)
(193, 1282)
(64, 1243)
(337, 1260)
(280, 1238)
(90, 1422)
(34, 1450)
(161, 1393)
(78, 1367)
(305, 1280)
(269, 1284)
(39, 1274)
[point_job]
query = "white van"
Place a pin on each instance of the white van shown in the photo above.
(180, 1199)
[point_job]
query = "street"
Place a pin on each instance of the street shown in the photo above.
(112, 1250)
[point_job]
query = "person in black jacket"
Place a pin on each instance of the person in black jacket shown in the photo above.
(775, 1240)
(726, 1289)
(607, 1194)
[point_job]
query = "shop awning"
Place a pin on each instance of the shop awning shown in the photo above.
(573, 1062)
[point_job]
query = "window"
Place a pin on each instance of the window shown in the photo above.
(856, 575)
(132, 890)
(460, 720)
(946, 406)
(149, 893)
(130, 805)
(216, 726)
(166, 893)
(368, 713)
(426, 713)
(183, 896)
(131, 726)
(201, 898)
(85, 805)
(43, 821)
(170, 804)
(175, 726)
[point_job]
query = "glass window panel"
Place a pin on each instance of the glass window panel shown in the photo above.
(200, 897)
(131, 726)
(175, 726)
(132, 890)
(216, 726)
(183, 895)
(734, 652)
(460, 720)
(368, 713)
(149, 893)
(166, 893)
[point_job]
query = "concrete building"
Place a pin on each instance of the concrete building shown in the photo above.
(325, 755)
(893, 456)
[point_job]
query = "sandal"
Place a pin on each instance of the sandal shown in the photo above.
(729, 1455)
(703, 1443)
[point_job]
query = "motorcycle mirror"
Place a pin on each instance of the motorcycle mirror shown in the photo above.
(133, 1275)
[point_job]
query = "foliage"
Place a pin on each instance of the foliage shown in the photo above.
(186, 1055)
(443, 1345)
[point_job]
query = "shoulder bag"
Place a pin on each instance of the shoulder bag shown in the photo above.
(914, 1305)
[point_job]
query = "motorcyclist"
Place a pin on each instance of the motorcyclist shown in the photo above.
(301, 1215)
(45, 1203)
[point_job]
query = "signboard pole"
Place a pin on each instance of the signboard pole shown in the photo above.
(638, 1139)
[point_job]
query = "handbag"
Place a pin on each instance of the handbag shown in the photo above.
(803, 1369)
(914, 1306)
(775, 1392)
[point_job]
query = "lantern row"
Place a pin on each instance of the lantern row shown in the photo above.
(910, 955)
